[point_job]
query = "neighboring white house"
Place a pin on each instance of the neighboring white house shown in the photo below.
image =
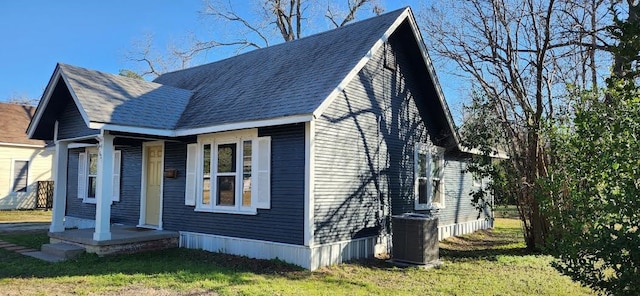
(23, 162)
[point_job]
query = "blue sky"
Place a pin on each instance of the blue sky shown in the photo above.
(36, 34)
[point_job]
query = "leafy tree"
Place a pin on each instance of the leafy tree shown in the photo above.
(130, 74)
(595, 185)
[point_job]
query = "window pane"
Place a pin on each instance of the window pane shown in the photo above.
(436, 191)
(423, 197)
(226, 191)
(435, 166)
(206, 191)
(206, 174)
(92, 187)
(227, 158)
(422, 165)
(206, 159)
(93, 164)
(20, 173)
(246, 173)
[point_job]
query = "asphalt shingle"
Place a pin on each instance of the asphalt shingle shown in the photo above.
(287, 79)
(14, 120)
(114, 99)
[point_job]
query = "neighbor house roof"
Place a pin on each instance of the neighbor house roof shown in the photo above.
(14, 119)
(285, 83)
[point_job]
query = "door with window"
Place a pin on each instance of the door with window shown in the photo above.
(153, 185)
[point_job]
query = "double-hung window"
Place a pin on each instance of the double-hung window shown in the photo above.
(429, 173)
(20, 175)
(88, 175)
(229, 172)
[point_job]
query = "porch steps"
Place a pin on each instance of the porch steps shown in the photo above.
(62, 250)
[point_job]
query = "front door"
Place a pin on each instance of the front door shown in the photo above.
(153, 185)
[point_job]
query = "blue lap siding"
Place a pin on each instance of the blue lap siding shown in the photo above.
(70, 123)
(125, 211)
(282, 223)
(365, 143)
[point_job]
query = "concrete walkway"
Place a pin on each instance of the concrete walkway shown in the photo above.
(23, 226)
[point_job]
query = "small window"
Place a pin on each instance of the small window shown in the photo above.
(429, 172)
(20, 174)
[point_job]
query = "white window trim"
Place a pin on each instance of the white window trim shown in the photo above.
(233, 137)
(430, 151)
(13, 173)
(85, 194)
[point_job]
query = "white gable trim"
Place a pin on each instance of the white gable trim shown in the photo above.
(43, 102)
(354, 72)
(42, 106)
(406, 14)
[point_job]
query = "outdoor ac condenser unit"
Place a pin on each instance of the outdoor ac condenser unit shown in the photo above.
(415, 238)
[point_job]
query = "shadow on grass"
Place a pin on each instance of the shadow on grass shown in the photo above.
(180, 265)
(188, 266)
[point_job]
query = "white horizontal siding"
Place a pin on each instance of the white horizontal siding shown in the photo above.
(40, 164)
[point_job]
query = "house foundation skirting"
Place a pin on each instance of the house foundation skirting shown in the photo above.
(463, 228)
(304, 256)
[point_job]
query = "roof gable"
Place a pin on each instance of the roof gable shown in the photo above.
(111, 100)
(14, 120)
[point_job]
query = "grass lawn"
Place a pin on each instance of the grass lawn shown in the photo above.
(12, 216)
(485, 263)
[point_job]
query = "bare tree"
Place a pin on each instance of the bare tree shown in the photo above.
(520, 56)
(274, 21)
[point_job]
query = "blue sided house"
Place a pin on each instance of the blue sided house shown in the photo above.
(300, 151)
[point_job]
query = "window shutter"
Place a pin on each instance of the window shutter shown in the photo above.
(117, 160)
(82, 175)
(263, 174)
(190, 187)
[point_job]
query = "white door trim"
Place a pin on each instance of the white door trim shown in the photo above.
(143, 186)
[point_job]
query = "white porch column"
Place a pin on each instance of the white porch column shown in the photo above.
(104, 188)
(60, 164)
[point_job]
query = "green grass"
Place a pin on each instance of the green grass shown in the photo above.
(485, 263)
(13, 216)
(506, 211)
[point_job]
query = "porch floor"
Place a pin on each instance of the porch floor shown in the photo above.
(125, 239)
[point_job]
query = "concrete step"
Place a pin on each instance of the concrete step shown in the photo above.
(66, 251)
(44, 256)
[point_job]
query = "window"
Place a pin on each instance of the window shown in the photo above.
(88, 175)
(429, 184)
(232, 170)
(477, 180)
(20, 174)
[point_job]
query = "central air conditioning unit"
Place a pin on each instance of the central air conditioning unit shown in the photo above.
(415, 239)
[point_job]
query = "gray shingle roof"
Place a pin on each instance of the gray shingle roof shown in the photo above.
(287, 79)
(114, 99)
